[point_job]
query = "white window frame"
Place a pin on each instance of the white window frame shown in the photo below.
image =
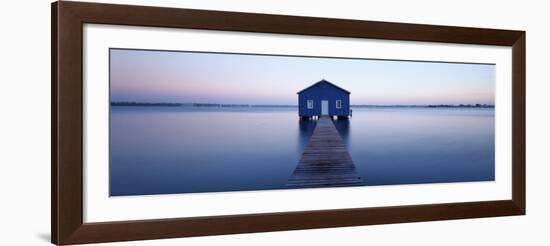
(309, 104)
(338, 106)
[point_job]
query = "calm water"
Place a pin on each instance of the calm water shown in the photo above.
(160, 150)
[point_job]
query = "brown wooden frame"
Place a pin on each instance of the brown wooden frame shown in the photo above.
(67, 133)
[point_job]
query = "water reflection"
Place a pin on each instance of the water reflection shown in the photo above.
(421, 145)
(306, 130)
(343, 126)
(168, 150)
(179, 150)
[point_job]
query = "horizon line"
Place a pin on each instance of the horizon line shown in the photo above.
(282, 105)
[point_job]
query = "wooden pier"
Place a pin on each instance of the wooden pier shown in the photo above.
(325, 161)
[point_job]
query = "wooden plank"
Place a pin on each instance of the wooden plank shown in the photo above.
(325, 161)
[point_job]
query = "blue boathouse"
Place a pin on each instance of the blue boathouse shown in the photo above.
(323, 99)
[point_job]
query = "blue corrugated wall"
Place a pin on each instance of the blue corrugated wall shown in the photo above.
(323, 91)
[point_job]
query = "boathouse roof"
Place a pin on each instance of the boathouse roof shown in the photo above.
(323, 81)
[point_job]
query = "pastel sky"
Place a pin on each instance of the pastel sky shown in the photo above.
(169, 76)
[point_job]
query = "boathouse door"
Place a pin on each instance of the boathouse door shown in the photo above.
(324, 107)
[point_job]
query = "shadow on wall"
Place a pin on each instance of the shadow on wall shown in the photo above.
(46, 237)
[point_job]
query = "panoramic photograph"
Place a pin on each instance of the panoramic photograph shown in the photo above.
(190, 122)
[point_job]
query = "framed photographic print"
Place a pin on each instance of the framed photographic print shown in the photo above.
(174, 122)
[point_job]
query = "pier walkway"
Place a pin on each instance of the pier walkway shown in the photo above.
(325, 161)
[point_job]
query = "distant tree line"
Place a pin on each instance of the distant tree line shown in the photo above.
(221, 105)
(214, 105)
(477, 105)
(163, 104)
(427, 106)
